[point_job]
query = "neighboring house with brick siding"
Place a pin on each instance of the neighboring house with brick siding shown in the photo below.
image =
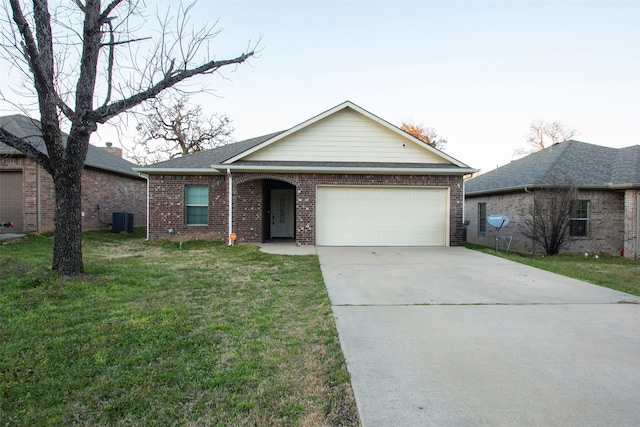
(604, 220)
(27, 193)
(343, 177)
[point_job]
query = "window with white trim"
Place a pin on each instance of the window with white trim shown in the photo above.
(197, 197)
(579, 223)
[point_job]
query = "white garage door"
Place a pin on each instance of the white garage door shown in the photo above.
(382, 216)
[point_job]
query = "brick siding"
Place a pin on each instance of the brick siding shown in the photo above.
(631, 223)
(515, 206)
(168, 211)
(606, 222)
(168, 192)
(114, 193)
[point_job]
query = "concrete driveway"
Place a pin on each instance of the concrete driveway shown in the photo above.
(454, 337)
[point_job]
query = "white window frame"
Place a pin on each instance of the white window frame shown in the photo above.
(195, 205)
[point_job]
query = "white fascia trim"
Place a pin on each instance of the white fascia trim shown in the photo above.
(623, 186)
(348, 170)
(180, 171)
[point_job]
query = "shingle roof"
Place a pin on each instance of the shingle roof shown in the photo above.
(586, 165)
(214, 156)
(25, 127)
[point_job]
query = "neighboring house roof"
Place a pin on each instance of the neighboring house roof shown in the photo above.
(585, 165)
(291, 146)
(28, 128)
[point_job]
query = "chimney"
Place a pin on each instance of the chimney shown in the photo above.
(113, 150)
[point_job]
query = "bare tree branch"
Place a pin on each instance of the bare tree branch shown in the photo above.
(104, 16)
(80, 5)
(110, 61)
(171, 128)
(549, 222)
(39, 54)
(27, 148)
(172, 78)
(543, 134)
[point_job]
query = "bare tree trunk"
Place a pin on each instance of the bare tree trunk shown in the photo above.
(30, 33)
(67, 237)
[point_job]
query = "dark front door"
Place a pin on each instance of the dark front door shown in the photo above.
(282, 220)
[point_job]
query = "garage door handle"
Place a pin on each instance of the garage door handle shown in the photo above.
(273, 219)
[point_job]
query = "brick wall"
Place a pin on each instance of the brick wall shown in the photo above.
(167, 208)
(606, 222)
(516, 206)
(167, 203)
(248, 210)
(632, 223)
(114, 193)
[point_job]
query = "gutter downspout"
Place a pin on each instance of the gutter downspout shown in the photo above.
(533, 243)
(464, 201)
(146, 176)
(38, 201)
(230, 178)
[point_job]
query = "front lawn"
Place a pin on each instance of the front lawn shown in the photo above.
(158, 334)
(613, 272)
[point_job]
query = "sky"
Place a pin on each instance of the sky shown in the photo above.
(478, 72)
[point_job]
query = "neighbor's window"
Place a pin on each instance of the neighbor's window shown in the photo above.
(197, 204)
(482, 219)
(579, 225)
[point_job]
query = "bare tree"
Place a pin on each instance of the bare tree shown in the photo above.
(87, 66)
(172, 128)
(550, 222)
(542, 134)
(425, 134)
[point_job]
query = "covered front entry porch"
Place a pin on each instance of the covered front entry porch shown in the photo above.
(264, 210)
(280, 210)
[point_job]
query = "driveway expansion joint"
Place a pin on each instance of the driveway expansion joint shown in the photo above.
(462, 304)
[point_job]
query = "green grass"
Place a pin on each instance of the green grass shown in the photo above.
(158, 335)
(613, 272)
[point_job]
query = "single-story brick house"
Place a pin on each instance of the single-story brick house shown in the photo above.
(605, 219)
(343, 177)
(109, 184)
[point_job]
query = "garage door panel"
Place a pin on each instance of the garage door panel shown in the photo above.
(11, 199)
(382, 216)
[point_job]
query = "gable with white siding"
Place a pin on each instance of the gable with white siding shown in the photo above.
(347, 135)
